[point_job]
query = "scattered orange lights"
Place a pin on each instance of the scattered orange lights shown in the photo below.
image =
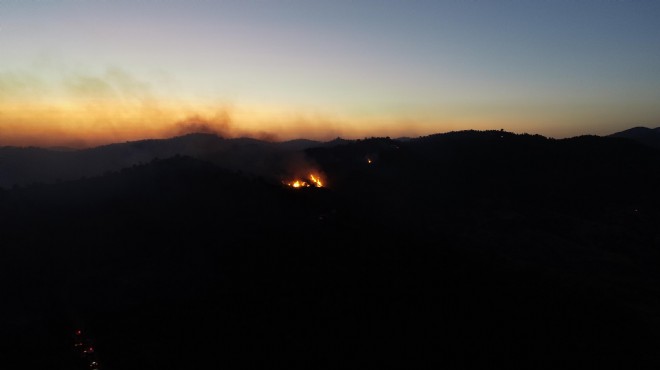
(313, 180)
(85, 350)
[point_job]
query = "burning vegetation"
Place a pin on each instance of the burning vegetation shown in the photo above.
(311, 181)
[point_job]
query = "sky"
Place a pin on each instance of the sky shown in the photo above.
(87, 72)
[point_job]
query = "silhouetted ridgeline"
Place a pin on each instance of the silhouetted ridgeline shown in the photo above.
(460, 250)
(24, 166)
(644, 135)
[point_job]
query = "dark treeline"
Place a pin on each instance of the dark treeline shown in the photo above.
(461, 250)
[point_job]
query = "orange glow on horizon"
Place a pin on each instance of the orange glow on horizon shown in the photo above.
(104, 122)
(81, 110)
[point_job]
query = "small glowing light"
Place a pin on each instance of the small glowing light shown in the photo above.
(369, 160)
(78, 332)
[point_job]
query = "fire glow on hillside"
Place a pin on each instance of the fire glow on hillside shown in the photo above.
(312, 180)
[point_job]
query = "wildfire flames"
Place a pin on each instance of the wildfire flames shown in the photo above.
(312, 180)
(316, 181)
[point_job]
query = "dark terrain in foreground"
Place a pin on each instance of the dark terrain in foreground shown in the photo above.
(461, 250)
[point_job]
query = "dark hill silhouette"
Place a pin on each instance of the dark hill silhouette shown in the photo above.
(459, 250)
(644, 135)
(23, 166)
(300, 144)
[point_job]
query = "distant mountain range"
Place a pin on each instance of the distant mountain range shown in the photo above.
(23, 166)
(644, 135)
(463, 250)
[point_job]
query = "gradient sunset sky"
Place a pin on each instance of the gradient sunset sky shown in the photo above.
(87, 72)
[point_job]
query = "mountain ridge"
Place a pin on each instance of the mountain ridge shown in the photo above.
(644, 135)
(525, 247)
(21, 166)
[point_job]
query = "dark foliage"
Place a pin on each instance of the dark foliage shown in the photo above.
(462, 250)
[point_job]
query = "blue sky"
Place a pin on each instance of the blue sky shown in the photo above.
(321, 68)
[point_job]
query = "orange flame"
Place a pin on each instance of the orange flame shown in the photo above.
(314, 180)
(299, 184)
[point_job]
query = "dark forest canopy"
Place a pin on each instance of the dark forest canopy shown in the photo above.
(25, 166)
(465, 250)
